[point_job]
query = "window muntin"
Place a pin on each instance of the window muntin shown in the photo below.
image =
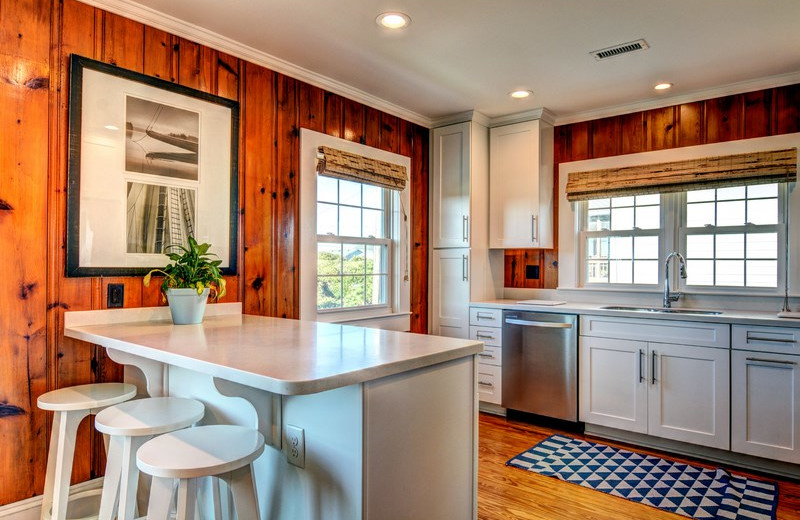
(621, 238)
(733, 236)
(354, 249)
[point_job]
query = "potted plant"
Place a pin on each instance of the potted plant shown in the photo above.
(188, 280)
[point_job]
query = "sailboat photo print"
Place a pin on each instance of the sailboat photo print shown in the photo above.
(151, 164)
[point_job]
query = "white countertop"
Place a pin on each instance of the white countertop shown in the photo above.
(596, 309)
(288, 357)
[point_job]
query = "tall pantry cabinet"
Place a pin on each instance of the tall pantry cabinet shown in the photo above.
(460, 267)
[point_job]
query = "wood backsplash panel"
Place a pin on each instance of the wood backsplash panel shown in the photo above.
(36, 40)
(753, 114)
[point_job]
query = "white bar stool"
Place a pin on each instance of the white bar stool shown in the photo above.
(71, 405)
(130, 425)
(222, 451)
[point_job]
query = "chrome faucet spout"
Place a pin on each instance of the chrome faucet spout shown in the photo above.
(670, 297)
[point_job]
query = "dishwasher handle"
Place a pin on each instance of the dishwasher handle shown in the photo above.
(544, 324)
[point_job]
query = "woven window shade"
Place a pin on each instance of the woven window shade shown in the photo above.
(353, 167)
(708, 172)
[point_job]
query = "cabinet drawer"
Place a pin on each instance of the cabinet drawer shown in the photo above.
(781, 340)
(490, 356)
(657, 331)
(489, 383)
(483, 316)
(491, 336)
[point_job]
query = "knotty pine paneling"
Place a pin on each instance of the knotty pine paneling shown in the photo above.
(36, 40)
(24, 105)
(741, 116)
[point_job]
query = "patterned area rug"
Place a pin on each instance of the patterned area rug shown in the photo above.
(679, 488)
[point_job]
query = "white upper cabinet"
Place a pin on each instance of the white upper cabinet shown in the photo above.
(450, 213)
(521, 185)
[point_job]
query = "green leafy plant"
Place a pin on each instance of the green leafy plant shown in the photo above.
(193, 268)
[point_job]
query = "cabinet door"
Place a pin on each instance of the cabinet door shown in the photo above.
(520, 192)
(765, 415)
(450, 293)
(688, 394)
(450, 186)
(613, 389)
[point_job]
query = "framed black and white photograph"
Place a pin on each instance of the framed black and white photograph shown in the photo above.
(151, 163)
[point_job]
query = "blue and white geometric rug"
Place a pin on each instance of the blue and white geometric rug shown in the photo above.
(679, 488)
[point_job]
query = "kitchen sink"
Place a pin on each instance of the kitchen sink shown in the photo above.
(665, 310)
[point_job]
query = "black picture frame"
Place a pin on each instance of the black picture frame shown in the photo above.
(174, 163)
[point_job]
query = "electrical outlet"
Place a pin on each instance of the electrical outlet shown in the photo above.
(295, 445)
(532, 272)
(116, 295)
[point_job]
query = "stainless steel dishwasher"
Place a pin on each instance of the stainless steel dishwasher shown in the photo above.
(540, 363)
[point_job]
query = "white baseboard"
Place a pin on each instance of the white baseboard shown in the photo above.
(30, 508)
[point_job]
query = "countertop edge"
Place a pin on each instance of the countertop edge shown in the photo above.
(734, 317)
(271, 384)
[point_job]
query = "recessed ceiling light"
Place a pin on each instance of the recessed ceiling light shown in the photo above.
(520, 94)
(393, 20)
(111, 127)
(663, 86)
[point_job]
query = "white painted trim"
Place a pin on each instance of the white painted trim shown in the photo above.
(401, 291)
(30, 508)
(741, 87)
(216, 41)
(461, 117)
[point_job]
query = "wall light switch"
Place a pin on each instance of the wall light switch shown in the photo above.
(532, 272)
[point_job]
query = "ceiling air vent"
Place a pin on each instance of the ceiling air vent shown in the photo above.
(617, 50)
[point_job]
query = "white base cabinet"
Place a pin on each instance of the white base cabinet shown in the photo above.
(765, 418)
(674, 391)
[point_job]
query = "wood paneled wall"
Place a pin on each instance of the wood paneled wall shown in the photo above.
(742, 116)
(36, 40)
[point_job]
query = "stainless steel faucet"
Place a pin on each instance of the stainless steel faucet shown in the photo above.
(673, 297)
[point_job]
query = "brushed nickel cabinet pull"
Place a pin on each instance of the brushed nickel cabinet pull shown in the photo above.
(775, 361)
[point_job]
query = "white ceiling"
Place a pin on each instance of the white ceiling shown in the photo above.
(460, 55)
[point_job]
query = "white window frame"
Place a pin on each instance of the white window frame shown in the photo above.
(390, 201)
(395, 315)
(780, 228)
(582, 213)
(569, 258)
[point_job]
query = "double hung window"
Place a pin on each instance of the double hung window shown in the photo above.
(354, 245)
(733, 236)
(621, 238)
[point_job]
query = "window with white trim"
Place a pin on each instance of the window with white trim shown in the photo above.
(733, 236)
(620, 238)
(354, 245)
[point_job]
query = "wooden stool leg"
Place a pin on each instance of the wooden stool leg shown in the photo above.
(109, 500)
(187, 497)
(160, 498)
(243, 489)
(59, 463)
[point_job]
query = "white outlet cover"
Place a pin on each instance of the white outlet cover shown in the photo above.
(295, 446)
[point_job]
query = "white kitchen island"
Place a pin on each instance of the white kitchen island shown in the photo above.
(389, 419)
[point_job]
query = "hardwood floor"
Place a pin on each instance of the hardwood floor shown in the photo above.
(511, 493)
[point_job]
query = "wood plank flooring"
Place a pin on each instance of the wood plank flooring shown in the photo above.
(511, 493)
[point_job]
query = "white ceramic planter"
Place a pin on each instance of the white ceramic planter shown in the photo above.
(187, 307)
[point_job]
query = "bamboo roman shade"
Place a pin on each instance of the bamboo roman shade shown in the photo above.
(707, 172)
(354, 167)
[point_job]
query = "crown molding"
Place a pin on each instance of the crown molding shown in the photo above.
(461, 117)
(741, 87)
(540, 113)
(216, 41)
